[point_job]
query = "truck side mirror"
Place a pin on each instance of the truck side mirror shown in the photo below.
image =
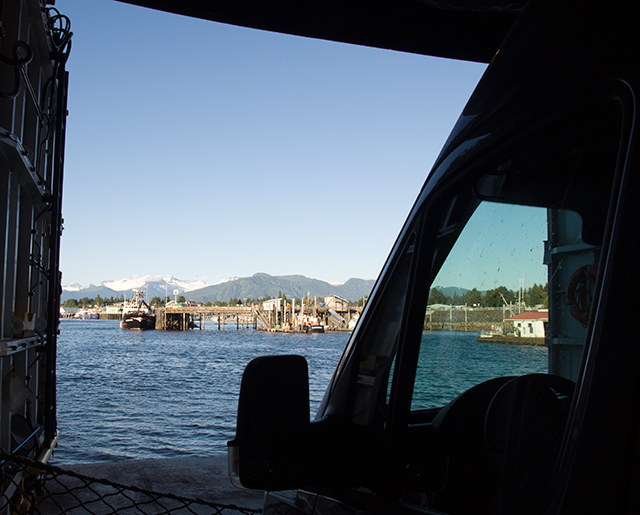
(270, 448)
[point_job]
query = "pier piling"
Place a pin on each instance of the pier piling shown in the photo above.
(182, 318)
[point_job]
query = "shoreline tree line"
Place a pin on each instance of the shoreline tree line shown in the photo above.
(534, 296)
(99, 302)
(537, 295)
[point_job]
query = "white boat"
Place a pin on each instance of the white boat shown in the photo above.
(137, 314)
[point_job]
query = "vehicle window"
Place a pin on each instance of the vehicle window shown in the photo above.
(488, 308)
(513, 294)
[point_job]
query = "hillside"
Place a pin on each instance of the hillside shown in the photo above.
(91, 292)
(257, 286)
(296, 286)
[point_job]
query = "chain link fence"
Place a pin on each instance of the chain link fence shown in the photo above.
(31, 487)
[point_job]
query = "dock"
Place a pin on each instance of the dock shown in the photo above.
(272, 317)
(188, 484)
(194, 477)
(183, 318)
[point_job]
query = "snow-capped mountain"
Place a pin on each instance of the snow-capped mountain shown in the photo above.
(257, 286)
(228, 279)
(153, 285)
(74, 287)
(145, 281)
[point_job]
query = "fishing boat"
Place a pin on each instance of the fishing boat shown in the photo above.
(87, 315)
(137, 314)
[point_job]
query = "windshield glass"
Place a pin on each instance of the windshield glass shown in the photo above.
(488, 306)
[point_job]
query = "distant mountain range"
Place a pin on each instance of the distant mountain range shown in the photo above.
(257, 286)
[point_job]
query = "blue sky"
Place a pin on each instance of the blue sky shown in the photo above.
(501, 245)
(207, 151)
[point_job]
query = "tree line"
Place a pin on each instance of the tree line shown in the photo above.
(537, 295)
(98, 301)
(534, 296)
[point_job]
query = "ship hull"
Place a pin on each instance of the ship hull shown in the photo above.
(140, 322)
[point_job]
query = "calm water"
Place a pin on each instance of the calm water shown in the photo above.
(451, 362)
(155, 394)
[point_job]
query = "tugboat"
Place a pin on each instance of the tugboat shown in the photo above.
(137, 314)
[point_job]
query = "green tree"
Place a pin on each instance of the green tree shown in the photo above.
(437, 297)
(70, 303)
(491, 299)
(537, 295)
(181, 299)
(457, 300)
(494, 298)
(473, 298)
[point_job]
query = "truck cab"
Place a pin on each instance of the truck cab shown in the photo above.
(538, 181)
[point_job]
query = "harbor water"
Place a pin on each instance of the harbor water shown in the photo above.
(156, 394)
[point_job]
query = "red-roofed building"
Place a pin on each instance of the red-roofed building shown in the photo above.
(529, 324)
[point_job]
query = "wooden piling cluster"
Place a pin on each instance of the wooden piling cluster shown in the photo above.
(183, 318)
(292, 316)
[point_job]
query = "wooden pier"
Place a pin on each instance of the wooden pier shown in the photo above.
(183, 318)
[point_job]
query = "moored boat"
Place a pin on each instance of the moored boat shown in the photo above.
(137, 314)
(87, 315)
(511, 339)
